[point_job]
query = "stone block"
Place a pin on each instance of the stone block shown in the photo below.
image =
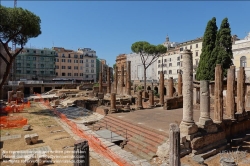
(30, 160)
(42, 159)
(199, 142)
(203, 121)
(34, 138)
(27, 139)
(188, 128)
(26, 127)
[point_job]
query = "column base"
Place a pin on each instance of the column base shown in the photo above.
(205, 121)
(188, 128)
(112, 111)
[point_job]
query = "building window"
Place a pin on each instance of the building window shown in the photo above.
(243, 61)
(165, 60)
(69, 67)
(69, 57)
(34, 58)
(92, 70)
(165, 71)
(81, 68)
(28, 72)
(86, 60)
(92, 61)
(185, 48)
(42, 65)
(63, 60)
(56, 74)
(69, 74)
(28, 50)
(63, 55)
(181, 49)
(170, 71)
(178, 58)
(57, 60)
(87, 65)
(190, 47)
(158, 72)
(181, 56)
(28, 64)
(57, 67)
(75, 61)
(178, 63)
(63, 74)
(28, 57)
(76, 67)
(87, 76)
(81, 56)
(42, 58)
(170, 64)
(69, 60)
(63, 67)
(169, 59)
(196, 53)
(181, 64)
(159, 61)
(87, 70)
(34, 51)
(75, 56)
(196, 61)
(92, 65)
(81, 74)
(42, 72)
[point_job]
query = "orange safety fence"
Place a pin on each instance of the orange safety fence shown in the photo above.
(12, 121)
(16, 108)
(93, 141)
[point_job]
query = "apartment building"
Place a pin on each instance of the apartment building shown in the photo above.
(34, 64)
(241, 54)
(77, 65)
(172, 60)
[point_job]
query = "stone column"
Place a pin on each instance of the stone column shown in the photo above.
(139, 100)
(204, 103)
(230, 105)
(241, 90)
(151, 98)
(109, 83)
(174, 141)
(161, 88)
(218, 94)
(170, 87)
(116, 78)
(187, 125)
(122, 80)
(113, 102)
(129, 78)
(179, 84)
(100, 82)
(81, 153)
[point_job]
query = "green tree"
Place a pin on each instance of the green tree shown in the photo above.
(208, 45)
(16, 25)
(223, 49)
(149, 54)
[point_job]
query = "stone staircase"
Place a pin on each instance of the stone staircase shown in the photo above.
(141, 141)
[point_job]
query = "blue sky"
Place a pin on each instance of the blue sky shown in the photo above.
(111, 27)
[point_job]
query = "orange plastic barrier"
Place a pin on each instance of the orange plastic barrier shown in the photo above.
(12, 122)
(94, 142)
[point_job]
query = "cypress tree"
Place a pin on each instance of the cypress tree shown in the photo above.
(208, 45)
(223, 49)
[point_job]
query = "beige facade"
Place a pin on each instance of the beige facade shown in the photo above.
(172, 60)
(76, 65)
(241, 54)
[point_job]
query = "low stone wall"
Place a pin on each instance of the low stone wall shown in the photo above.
(173, 103)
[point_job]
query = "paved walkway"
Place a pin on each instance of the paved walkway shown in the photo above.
(157, 118)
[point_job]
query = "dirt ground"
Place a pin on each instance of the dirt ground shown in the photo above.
(40, 119)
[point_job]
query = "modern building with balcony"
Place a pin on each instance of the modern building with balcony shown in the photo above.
(34, 64)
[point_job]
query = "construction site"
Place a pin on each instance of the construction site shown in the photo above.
(196, 123)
